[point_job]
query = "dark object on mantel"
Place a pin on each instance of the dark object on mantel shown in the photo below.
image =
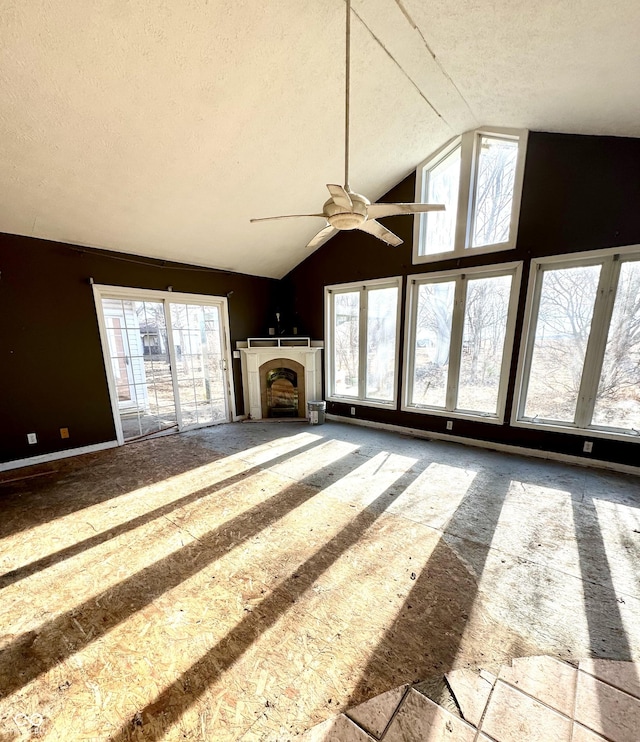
(278, 327)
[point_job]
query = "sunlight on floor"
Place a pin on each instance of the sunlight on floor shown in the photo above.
(189, 481)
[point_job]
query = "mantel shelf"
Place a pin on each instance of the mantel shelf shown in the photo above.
(280, 342)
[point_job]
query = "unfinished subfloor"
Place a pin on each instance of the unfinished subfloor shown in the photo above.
(248, 581)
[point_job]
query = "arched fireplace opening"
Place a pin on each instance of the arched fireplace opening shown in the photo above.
(282, 388)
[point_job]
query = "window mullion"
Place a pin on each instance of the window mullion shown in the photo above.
(362, 362)
(173, 363)
(597, 343)
(529, 332)
(331, 344)
(410, 340)
(455, 343)
(464, 192)
(507, 351)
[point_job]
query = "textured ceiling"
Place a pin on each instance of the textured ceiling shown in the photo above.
(161, 128)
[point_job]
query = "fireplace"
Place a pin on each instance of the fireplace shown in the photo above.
(279, 376)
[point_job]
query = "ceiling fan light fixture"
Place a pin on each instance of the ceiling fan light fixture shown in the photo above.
(346, 221)
(341, 218)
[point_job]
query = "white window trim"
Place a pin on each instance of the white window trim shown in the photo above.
(570, 260)
(413, 281)
(469, 143)
(394, 282)
(104, 291)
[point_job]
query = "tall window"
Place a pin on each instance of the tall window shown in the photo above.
(459, 341)
(362, 341)
(478, 177)
(581, 361)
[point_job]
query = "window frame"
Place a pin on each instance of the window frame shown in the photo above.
(469, 144)
(611, 260)
(514, 269)
(362, 287)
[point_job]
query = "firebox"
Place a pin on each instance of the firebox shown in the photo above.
(282, 392)
(282, 388)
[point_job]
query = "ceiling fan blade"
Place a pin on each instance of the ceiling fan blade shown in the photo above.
(382, 233)
(375, 211)
(340, 196)
(322, 236)
(287, 216)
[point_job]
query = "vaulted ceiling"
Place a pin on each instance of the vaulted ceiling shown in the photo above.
(161, 128)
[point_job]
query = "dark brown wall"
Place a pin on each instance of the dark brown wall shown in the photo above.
(51, 369)
(580, 193)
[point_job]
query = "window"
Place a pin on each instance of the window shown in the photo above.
(459, 340)
(478, 177)
(362, 342)
(580, 367)
(441, 187)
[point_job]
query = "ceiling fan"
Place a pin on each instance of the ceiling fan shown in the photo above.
(347, 210)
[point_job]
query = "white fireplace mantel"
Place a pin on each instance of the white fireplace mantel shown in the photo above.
(256, 351)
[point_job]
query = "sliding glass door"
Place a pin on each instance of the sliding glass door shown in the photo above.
(166, 357)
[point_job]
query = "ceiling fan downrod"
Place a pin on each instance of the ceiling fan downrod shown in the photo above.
(347, 96)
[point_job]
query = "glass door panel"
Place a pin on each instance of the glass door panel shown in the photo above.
(200, 368)
(139, 357)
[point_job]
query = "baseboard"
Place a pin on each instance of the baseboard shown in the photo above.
(504, 447)
(43, 458)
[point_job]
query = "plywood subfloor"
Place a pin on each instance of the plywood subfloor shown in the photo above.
(249, 581)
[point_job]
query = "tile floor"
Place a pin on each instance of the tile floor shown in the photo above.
(535, 699)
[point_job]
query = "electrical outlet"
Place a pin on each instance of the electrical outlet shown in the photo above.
(236, 354)
(32, 438)
(587, 447)
(64, 432)
(353, 410)
(449, 424)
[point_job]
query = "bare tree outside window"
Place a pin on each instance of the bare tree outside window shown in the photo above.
(494, 187)
(382, 308)
(434, 316)
(443, 185)
(458, 349)
(567, 301)
(198, 343)
(618, 400)
(485, 325)
(346, 335)
(478, 177)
